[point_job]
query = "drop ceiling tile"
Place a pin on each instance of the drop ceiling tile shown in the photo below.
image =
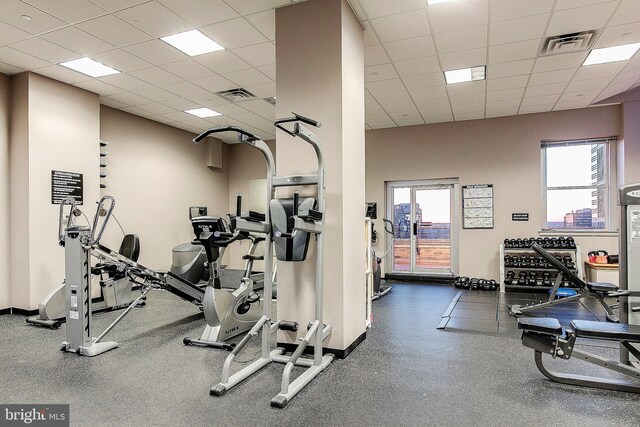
(20, 59)
(506, 94)
(428, 93)
(245, 7)
(458, 15)
(383, 123)
(472, 115)
(401, 26)
(570, 4)
(121, 60)
(154, 19)
(62, 74)
(559, 62)
(502, 10)
(10, 34)
(621, 34)
(155, 76)
(463, 59)
(268, 114)
(249, 77)
(580, 18)
(582, 96)
(627, 12)
(529, 101)
(69, 10)
(467, 108)
(264, 90)
(424, 80)
(156, 94)
(180, 104)
(112, 103)
(113, 5)
(252, 119)
(269, 71)
(130, 99)
(234, 33)
(214, 83)
(410, 48)
(502, 104)
(587, 84)
(549, 77)
(9, 70)
(201, 12)
(186, 89)
(507, 82)
(400, 107)
(258, 54)
(392, 97)
(379, 72)
(178, 116)
(571, 105)
(96, 86)
(552, 89)
(156, 51)
(188, 69)
(222, 61)
(125, 82)
(438, 119)
(467, 88)
(136, 111)
(418, 66)
(513, 51)
(501, 112)
(409, 121)
(46, 50)
(40, 22)
(474, 98)
(113, 30)
(531, 109)
(521, 29)
(394, 85)
(429, 109)
(599, 70)
(77, 40)
(375, 55)
(370, 37)
(378, 8)
(508, 69)
(156, 108)
(240, 107)
(460, 40)
(265, 22)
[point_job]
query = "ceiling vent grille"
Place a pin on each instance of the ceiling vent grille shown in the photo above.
(568, 43)
(235, 95)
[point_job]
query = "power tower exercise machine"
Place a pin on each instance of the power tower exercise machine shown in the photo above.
(289, 223)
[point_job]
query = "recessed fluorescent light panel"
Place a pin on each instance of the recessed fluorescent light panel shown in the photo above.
(611, 54)
(465, 75)
(89, 67)
(192, 43)
(203, 112)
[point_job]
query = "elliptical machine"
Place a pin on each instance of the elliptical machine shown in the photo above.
(228, 312)
(379, 290)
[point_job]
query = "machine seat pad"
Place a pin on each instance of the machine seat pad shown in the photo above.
(541, 325)
(606, 331)
(253, 257)
(601, 287)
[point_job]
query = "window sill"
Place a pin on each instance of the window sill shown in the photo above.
(581, 233)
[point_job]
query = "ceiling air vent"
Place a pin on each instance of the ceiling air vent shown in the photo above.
(235, 95)
(568, 43)
(271, 100)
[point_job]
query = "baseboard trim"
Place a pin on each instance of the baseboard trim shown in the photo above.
(5, 311)
(22, 311)
(340, 354)
(421, 278)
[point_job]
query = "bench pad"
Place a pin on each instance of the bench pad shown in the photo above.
(606, 331)
(542, 325)
(601, 287)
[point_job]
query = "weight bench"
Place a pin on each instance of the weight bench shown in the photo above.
(545, 335)
(597, 290)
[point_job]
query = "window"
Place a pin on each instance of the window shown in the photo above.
(576, 184)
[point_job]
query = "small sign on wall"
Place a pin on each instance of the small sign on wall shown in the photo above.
(65, 185)
(519, 217)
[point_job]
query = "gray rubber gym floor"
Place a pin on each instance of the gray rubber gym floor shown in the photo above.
(405, 373)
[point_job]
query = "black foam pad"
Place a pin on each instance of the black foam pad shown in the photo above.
(606, 331)
(130, 247)
(541, 325)
(601, 287)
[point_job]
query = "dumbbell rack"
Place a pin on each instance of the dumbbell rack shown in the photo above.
(574, 253)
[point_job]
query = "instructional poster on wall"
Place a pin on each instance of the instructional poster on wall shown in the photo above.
(66, 185)
(477, 206)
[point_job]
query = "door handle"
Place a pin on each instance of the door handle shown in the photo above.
(415, 228)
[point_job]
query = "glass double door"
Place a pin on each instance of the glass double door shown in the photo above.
(423, 217)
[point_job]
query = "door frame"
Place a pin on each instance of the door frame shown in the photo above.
(456, 208)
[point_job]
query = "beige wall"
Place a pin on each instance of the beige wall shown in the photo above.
(54, 127)
(502, 151)
(630, 147)
(5, 106)
(155, 172)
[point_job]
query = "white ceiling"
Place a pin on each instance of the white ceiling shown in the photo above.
(408, 45)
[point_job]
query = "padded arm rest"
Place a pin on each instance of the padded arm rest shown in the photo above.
(601, 287)
(253, 257)
(540, 325)
(606, 331)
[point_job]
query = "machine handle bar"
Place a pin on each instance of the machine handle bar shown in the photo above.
(296, 118)
(206, 133)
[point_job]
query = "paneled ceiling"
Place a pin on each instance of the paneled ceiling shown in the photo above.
(408, 46)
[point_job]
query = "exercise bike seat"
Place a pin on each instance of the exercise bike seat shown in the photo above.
(606, 331)
(601, 287)
(541, 325)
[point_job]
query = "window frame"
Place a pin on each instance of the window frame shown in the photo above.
(609, 184)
